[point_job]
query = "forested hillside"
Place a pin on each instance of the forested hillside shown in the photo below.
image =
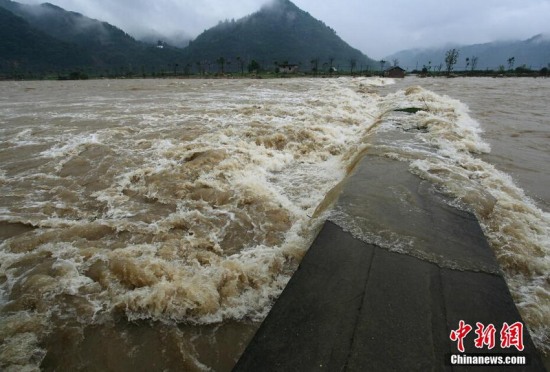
(25, 49)
(38, 38)
(46, 40)
(279, 32)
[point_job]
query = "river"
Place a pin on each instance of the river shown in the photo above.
(152, 223)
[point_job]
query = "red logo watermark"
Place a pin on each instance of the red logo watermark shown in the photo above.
(510, 335)
(485, 336)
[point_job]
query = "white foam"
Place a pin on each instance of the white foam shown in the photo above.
(517, 230)
(71, 146)
(181, 174)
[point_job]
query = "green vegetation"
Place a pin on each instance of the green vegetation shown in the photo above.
(253, 66)
(278, 32)
(511, 62)
(451, 58)
(21, 45)
(533, 52)
(48, 42)
(45, 41)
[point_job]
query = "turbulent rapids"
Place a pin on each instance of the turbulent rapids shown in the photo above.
(193, 201)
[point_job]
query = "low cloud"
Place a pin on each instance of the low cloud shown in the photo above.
(377, 28)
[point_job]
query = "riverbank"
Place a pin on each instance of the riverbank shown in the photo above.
(81, 75)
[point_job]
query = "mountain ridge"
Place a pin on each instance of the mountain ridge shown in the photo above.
(20, 43)
(278, 32)
(92, 44)
(533, 53)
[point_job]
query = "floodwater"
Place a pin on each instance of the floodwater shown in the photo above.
(150, 224)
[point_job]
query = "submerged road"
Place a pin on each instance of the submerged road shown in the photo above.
(353, 306)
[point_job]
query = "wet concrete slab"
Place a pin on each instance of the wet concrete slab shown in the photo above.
(354, 306)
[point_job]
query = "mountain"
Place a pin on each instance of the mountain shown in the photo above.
(93, 44)
(534, 53)
(21, 44)
(279, 31)
(39, 40)
(68, 26)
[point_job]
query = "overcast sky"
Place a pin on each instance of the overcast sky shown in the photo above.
(376, 27)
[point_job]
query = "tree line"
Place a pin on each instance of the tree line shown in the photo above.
(470, 67)
(223, 66)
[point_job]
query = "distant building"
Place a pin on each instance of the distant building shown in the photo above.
(288, 69)
(395, 72)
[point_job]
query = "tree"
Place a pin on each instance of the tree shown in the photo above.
(253, 66)
(511, 62)
(352, 64)
(395, 62)
(473, 64)
(315, 65)
(523, 69)
(221, 63)
(451, 57)
(241, 64)
(382, 63)
(427, 69)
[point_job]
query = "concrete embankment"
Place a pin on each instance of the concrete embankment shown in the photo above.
(354, 306)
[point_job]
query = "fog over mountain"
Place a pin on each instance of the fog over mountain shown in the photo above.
(533, 53)
(39, 40)
(376, 28)
(94, 39)
(46, 38)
